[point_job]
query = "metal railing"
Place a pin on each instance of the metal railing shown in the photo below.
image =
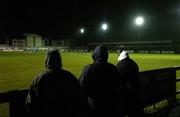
(157, 85)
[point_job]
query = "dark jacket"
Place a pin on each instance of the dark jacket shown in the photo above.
(129, 73)
(100, 82)
(55, 92)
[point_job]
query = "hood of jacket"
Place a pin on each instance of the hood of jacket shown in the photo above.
(53, 60)
(123, 55)
(100, 54)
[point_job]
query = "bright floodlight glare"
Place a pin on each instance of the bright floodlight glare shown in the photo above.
(104, 26)
(82, 30)
(139, 21)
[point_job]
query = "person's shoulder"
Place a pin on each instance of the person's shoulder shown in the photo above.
(68, 74)
(87, 67)
(45, 73)
(133, 62)
(126, 61)
(111, 65)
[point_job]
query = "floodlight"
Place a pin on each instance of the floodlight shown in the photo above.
(104, 26)
(82, 30)
(139, 21)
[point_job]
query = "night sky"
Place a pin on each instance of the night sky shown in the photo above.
(64, 17)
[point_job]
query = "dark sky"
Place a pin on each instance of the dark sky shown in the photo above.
(64, 17)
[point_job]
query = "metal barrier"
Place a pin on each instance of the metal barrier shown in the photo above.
(16, 100)
(157, 85)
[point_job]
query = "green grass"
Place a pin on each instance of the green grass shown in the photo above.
(17, 69)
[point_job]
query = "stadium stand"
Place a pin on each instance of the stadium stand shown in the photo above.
(159, 46)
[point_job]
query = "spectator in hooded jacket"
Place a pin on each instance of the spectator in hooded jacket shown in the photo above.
(129, 74)
(56, 92)
(100, 83)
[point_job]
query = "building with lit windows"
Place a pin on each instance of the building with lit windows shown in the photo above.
(33, 40)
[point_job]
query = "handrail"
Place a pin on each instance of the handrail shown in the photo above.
(16, 98)
(177, 80)
(176, 67)
(177, 91)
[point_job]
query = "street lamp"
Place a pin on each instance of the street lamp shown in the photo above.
(139, 21)
(104, 27)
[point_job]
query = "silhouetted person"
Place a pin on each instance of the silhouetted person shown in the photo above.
(56, 92)
(100, 83)
(129, 74)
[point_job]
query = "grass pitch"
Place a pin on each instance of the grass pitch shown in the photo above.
(17, 69)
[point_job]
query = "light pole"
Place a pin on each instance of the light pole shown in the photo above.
(82, 31)
(139, 22)
(104, 27)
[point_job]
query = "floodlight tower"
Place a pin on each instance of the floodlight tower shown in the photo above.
(104, 28)
(82, 31)
(139, 22)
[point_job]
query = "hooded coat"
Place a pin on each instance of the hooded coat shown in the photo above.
(129, 73)
(129, 70)
(55, 92)
(100, 83)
